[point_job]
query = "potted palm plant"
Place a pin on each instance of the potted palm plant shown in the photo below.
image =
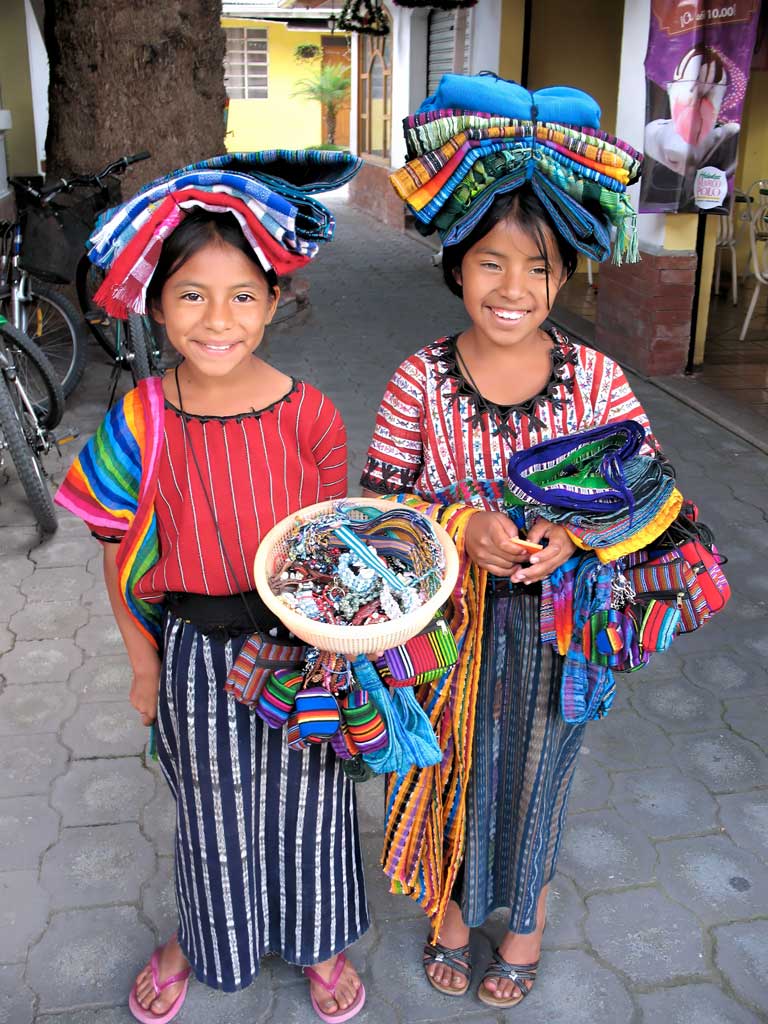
(328, 86)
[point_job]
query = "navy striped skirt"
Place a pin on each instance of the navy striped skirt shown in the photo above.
(522, 767)
(267, 853)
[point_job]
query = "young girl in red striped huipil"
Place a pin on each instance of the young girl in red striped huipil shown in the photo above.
(452, 415)
(267, 852)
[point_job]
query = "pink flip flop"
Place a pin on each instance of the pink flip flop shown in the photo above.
(330, 987)
(147, 1016)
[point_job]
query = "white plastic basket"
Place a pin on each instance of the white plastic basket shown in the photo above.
(349, 640)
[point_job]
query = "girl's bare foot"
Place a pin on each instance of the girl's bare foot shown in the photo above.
(519, 949)
(454, 935)
(171, 961)
(346, 991)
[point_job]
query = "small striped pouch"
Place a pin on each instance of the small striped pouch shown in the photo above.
(257, 658)
(316, 714)
(363, 721)
(423, 658)
(278, 696)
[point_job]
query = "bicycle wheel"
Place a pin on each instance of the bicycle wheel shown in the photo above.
(37, 376)
(88, 277)
(25, 458)
(56, 327)
(138, 348)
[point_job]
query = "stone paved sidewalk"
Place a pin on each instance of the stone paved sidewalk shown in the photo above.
(660, 909)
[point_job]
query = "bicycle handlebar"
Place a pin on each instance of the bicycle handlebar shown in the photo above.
(47, 192)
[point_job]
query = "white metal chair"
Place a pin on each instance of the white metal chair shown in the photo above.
(755, 196)
(726, 240)
(758, 258)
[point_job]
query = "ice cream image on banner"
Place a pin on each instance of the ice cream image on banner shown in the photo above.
(697, 93)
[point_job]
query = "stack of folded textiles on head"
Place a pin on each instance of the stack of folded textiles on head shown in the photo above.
(460, 160)
(269, 192)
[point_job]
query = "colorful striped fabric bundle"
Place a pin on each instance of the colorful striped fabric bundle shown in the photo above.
(269, 193)
(461, 160)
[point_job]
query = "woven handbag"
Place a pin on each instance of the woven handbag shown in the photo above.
(259, 657)
(422, 659)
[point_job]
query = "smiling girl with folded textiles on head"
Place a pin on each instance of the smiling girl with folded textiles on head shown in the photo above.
(181, 481)
(484, 827)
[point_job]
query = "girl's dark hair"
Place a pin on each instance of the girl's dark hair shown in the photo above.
(198, 229)
(525, 209)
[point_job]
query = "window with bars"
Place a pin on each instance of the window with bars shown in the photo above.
(246, 64)
(374, 89)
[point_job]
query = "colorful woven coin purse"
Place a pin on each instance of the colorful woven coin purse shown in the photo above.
(422, 659)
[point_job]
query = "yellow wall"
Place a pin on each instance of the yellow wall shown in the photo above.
(279, 121)
(15, 88)
(578, 43)
(753, 150)
(511, 41)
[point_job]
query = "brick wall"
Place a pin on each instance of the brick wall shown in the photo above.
(644, 312)
(371, 191)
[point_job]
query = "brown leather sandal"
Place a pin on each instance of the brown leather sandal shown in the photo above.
(456, 959)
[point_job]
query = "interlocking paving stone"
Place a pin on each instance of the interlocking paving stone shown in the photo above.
(103, 791)
(591, 784)
(7, 639)
(96, 599)
(370, 805)
(742, 956)
(740, 715)
(40, 661)
(677, 705)
(745, 817)
(16, 999)
(11, 600)
(67, 550)
(88, 957)
(252, 1005)
(23, 913)
(664, 803)
(665, 941)
(17, 540)
(158, 819)
(712, 877)
(97, 865)
(625, 740)
(27, 827)
(726, 675)
(105, 677)
(34, 709)
(722, 761)
(292, 1006)
(602, 851)
(158, 900)
(100, 635)
(692, 1004)
(108, 1015)
(29, 763)
(104, 729)
(565, 915)
(64, 584)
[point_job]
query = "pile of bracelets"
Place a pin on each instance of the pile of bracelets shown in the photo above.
(358, 566)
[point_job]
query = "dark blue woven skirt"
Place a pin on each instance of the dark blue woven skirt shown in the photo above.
(267, 848)
(522, 767)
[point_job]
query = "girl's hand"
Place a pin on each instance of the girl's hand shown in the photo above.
(145, 686)
(489, 541)
(559, 549)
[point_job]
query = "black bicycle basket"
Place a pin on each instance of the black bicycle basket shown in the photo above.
(54, 235)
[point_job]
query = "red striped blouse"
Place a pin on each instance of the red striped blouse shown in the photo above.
(257, 468)
(432, 438)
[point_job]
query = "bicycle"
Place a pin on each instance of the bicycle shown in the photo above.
(47, 241)
(31, 405)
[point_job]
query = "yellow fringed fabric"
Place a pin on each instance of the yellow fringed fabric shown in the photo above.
(425, 828)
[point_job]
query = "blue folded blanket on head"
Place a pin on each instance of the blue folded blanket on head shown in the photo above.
(492, 95)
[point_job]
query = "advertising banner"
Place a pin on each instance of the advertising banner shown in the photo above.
(696, 69)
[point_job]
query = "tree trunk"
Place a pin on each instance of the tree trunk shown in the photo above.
(129, 75)
(330, 123)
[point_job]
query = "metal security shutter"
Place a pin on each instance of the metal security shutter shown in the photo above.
(440, 46)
